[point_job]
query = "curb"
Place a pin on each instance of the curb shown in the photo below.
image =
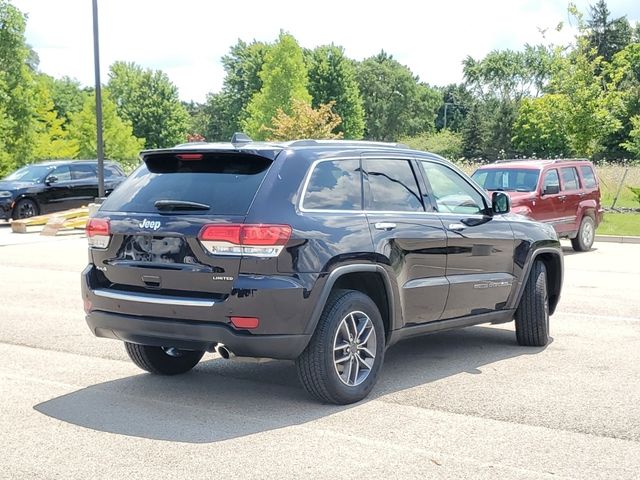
(617, 239)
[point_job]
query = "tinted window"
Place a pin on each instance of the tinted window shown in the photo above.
(550, 179)
(30, 173)
(81, 172)
(507, 179)
(334, 185)
(227, 183)
(111, 171)
(569, 178)
(451, 192)
(588, 177)
(392, 186)
(62, 173)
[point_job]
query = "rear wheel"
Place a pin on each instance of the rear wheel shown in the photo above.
(532, 315)
(586, 235)
(162, 360)
(342, 361)
(24, 208)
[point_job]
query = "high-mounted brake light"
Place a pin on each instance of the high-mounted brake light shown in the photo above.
(255, 240)
(189, 156)
(98, 232)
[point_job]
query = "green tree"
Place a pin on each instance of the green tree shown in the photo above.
(67, 95)
(396, 104)
(148, 100)
(607, 35)
(540, 128)
(456, 102)
(332, 78)
(632, 145)
(119, 141)
(50, 140)
(284, 79)
(475, 133)
(17, 108)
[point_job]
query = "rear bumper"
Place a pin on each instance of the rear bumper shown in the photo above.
(149, 318)
(193, 335)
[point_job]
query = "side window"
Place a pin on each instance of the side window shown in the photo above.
(334, 185)
(111, 171)
(81, 172)
(62, 173)
(551, 180)
(588, 177)
(569, 178)
(392, 186)
(451, 192)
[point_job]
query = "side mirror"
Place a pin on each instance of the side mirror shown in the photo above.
(51, 179)
(551, 190)
(500, 203)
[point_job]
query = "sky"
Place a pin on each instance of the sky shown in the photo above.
(187, 38)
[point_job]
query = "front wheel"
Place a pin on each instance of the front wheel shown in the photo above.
(586, 235)
(162, 360)
(25, 208)
(532, 315)
(342, 361)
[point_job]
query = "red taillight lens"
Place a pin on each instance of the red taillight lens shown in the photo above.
(245, 239)
(221, 233)
(265, 234)
(245, 322)
(98, 232)
(189, 156)
(97, 226)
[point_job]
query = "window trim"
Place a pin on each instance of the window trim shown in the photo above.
(577, 177)
(307, 180)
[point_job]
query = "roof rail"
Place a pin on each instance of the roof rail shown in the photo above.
(553, 160)
(363, 143)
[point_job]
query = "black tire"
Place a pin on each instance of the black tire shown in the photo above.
(318, 365)
(161, 360)
(532, 315)
(25, 208)
(586, 235)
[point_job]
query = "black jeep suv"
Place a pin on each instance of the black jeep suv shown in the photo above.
(323, 252)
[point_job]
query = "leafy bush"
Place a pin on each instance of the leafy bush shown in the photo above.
(445, 143)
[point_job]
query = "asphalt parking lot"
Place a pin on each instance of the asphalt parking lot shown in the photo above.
(464, 404)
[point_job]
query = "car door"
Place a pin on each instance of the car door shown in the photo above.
(570, 198)
(549, 204)
(84, 184)
(410, 240)
(480, 246)
(56, 195)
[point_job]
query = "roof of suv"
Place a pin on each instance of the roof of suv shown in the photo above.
(532, 163)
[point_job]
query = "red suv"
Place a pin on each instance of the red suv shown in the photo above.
(563, 193)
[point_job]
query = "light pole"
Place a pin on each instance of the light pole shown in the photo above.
(446, 104)
(99, 142)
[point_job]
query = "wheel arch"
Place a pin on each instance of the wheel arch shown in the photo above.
(370, 279)
(553, 262)
(26, 196)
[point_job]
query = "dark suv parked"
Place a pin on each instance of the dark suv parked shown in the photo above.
(54, 186)
(326, 252)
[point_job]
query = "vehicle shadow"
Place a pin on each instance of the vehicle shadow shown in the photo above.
(220, 400)
(568, 251)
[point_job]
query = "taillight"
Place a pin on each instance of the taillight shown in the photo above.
(98, 232)
(245, 239)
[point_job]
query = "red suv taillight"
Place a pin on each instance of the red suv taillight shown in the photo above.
(98, 232)
(255, 240)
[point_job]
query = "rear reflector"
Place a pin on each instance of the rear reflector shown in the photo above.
(189, 156)
(98, 232)
(255, 240)
(247, 323)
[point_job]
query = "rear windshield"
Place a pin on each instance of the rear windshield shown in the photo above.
(507, 179)
(226, 183)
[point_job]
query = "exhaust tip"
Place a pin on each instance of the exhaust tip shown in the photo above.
(224, 352)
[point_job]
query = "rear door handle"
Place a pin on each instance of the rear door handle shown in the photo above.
(385, 226)
(456, 227)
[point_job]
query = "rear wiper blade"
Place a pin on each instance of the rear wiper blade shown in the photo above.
(180, 205)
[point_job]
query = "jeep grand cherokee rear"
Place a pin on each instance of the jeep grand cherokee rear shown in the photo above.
(322, 252)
